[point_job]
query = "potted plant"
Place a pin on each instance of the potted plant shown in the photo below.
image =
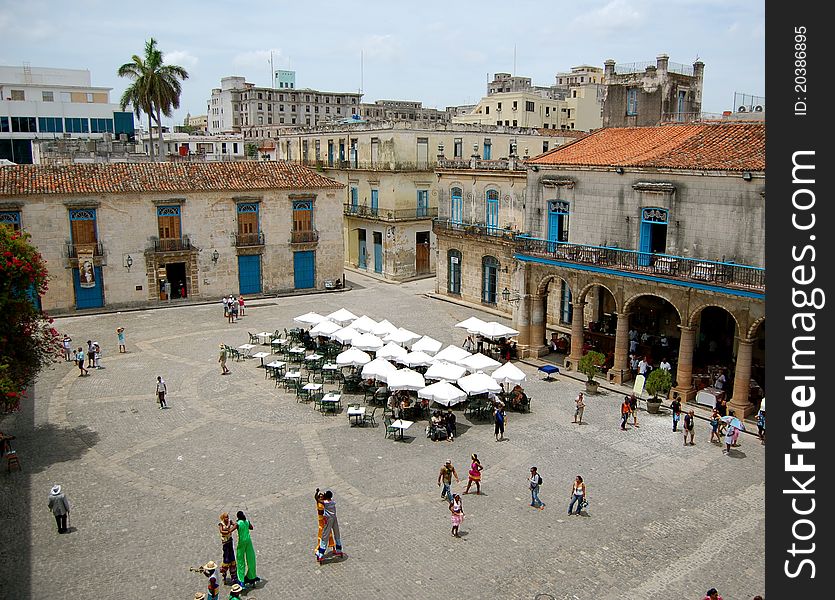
(659, 382)
(590, 365)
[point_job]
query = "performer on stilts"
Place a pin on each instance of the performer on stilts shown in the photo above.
(228, 564)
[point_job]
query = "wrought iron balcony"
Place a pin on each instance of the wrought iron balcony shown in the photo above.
(249, 239)
(74, 249)
(696, 270)
(472, 229)
(172, 244)
(385, 214)
(306, 236)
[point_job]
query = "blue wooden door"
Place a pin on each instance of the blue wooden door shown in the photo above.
(378, 252)
(330, 154)
(488, 150)
(644, 255)
(422, 203)
(304, 269)
(553, 229)
(492, 217)
(374, 201)
(92, 297)
(249, 274)
(456, 209)
(362, 251)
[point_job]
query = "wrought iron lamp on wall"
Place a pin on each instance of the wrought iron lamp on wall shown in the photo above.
(215, 256)
(506, 296)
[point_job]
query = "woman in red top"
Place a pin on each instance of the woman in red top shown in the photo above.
(474, 476)
(241, 305)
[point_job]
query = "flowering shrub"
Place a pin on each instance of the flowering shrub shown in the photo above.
(28, 341)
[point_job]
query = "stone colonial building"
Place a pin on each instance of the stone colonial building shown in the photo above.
(122, 235)
(651, 230)
(388, 170)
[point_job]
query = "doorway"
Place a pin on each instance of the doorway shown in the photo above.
(653, 234)
(422, 252)
(378, 252)
(175, 273)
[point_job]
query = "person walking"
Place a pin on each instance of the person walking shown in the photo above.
(500, 417)
(722, 409)
(689, 427)
(445, 476)
(712, 594)
(120, 337)
(469, 344)
(633, 408)
(212, 573)
(235, 591)
(245, 555)
(578, 495)
(79, 359)
(161, 390)
(457, 510)
(624, 412)
(474, 475)
(222, 360)
(60, 507)
(241, 305)
(233, 305)
(66, 344)
(534, 482)
(91, 354)
(229, 314)
(730, 438)
(331, 527)
(228, 566)
(761, 425)
(320, 513)
(714, 427)
(96, 356)
(676, 406)
(579, 401)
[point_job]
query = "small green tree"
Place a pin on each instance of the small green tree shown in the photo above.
(251, 150)
(659, 382)
(591, 363)
(28, 342)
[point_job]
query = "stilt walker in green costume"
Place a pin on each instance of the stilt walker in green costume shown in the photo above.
(245, 554)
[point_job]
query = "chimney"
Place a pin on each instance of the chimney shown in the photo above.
(608, 69)
(698, 70)
(661, 62)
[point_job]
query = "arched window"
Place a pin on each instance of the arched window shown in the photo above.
(454, 272)
(456, 209)
(489, 279)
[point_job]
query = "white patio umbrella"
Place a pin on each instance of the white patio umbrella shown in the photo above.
(479, 362)
(494, 330)
(444, 370)
(325, 328)
(405, 379)
(443, 392)
(470, 324)
(452, 354)
(392, 351)
(383, 328)
(377, 369)
(342, 316)
(364, 324)
(426, 344)
(367, 341)
(509, 373)
(402, 336)
(352, 357)
(345, 335)
(478, 383)
(416, 359)
(310, 318)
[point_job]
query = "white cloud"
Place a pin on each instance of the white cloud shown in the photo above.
(258, 58)
(184, 58)
(614, 15)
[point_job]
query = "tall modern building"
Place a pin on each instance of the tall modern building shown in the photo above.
(38, 103)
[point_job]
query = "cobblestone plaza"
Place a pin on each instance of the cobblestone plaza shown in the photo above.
(665, 521)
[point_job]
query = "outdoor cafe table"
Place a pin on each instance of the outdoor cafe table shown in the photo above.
(402, 425)
(246, 349)
(330, 367)
(261, 355)
(312, 387)
(293, 375)
(313, 357)
(264, 337)
(275, 366)
(330, 402)
(357, 413)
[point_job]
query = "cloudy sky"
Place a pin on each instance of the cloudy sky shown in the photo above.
(439, 53)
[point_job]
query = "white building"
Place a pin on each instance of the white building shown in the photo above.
(39, 102)
(196, 146)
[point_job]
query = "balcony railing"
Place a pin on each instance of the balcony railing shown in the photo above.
(697, 270)
(473, 229)
(384, 214)
(172, 244)
(377, 165)
(304, 236)
(480, 164)
(249, 239)
(74, 249)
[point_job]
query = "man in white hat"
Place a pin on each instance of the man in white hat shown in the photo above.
(211, 571)
(235, 591)
(60, 507)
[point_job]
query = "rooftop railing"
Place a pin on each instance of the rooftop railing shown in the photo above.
(696, 270)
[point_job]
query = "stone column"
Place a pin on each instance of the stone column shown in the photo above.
(684, 389)
(522, 323)
(539, 317)
(742, 379)
(620, 373)
(577, 314)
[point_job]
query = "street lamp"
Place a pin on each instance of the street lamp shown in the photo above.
(128, 262)
(215, 256)
(506, 297)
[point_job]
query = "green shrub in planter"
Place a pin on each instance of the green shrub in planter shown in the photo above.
(590, 364)
(659, 382)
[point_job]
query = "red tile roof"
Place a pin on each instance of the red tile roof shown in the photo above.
(119, 178)
(710, 146)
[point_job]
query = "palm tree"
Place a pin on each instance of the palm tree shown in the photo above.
(155, 89)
